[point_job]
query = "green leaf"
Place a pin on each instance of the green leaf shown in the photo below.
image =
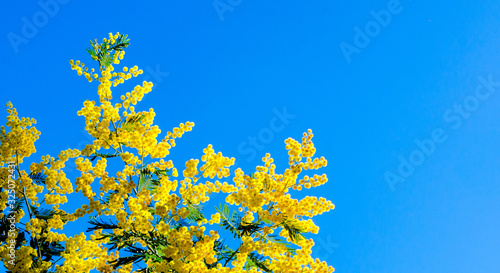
(145, 179)
(230, 220)
(195, 213)
(256, 260)
(132, 121)
(101, 224)
(294, 232)
(38, 178)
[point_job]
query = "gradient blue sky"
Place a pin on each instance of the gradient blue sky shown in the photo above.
(233, 66)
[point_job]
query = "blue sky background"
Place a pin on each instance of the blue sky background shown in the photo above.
(230, 69)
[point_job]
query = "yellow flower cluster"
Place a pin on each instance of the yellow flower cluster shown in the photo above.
(215, 164)
(35, 225)
(55, 237)
(19, 141)
(82, 70)
(301, 262)
(55, 222)
(51, 199)
(140, 215)
(22, 261)
(162, 149)
(83, 255)
(184, 254)
(151, 210)
(191, 169)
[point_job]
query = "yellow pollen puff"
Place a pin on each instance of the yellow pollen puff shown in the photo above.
(263, 197)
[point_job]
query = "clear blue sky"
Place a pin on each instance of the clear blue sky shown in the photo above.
(406, 109)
